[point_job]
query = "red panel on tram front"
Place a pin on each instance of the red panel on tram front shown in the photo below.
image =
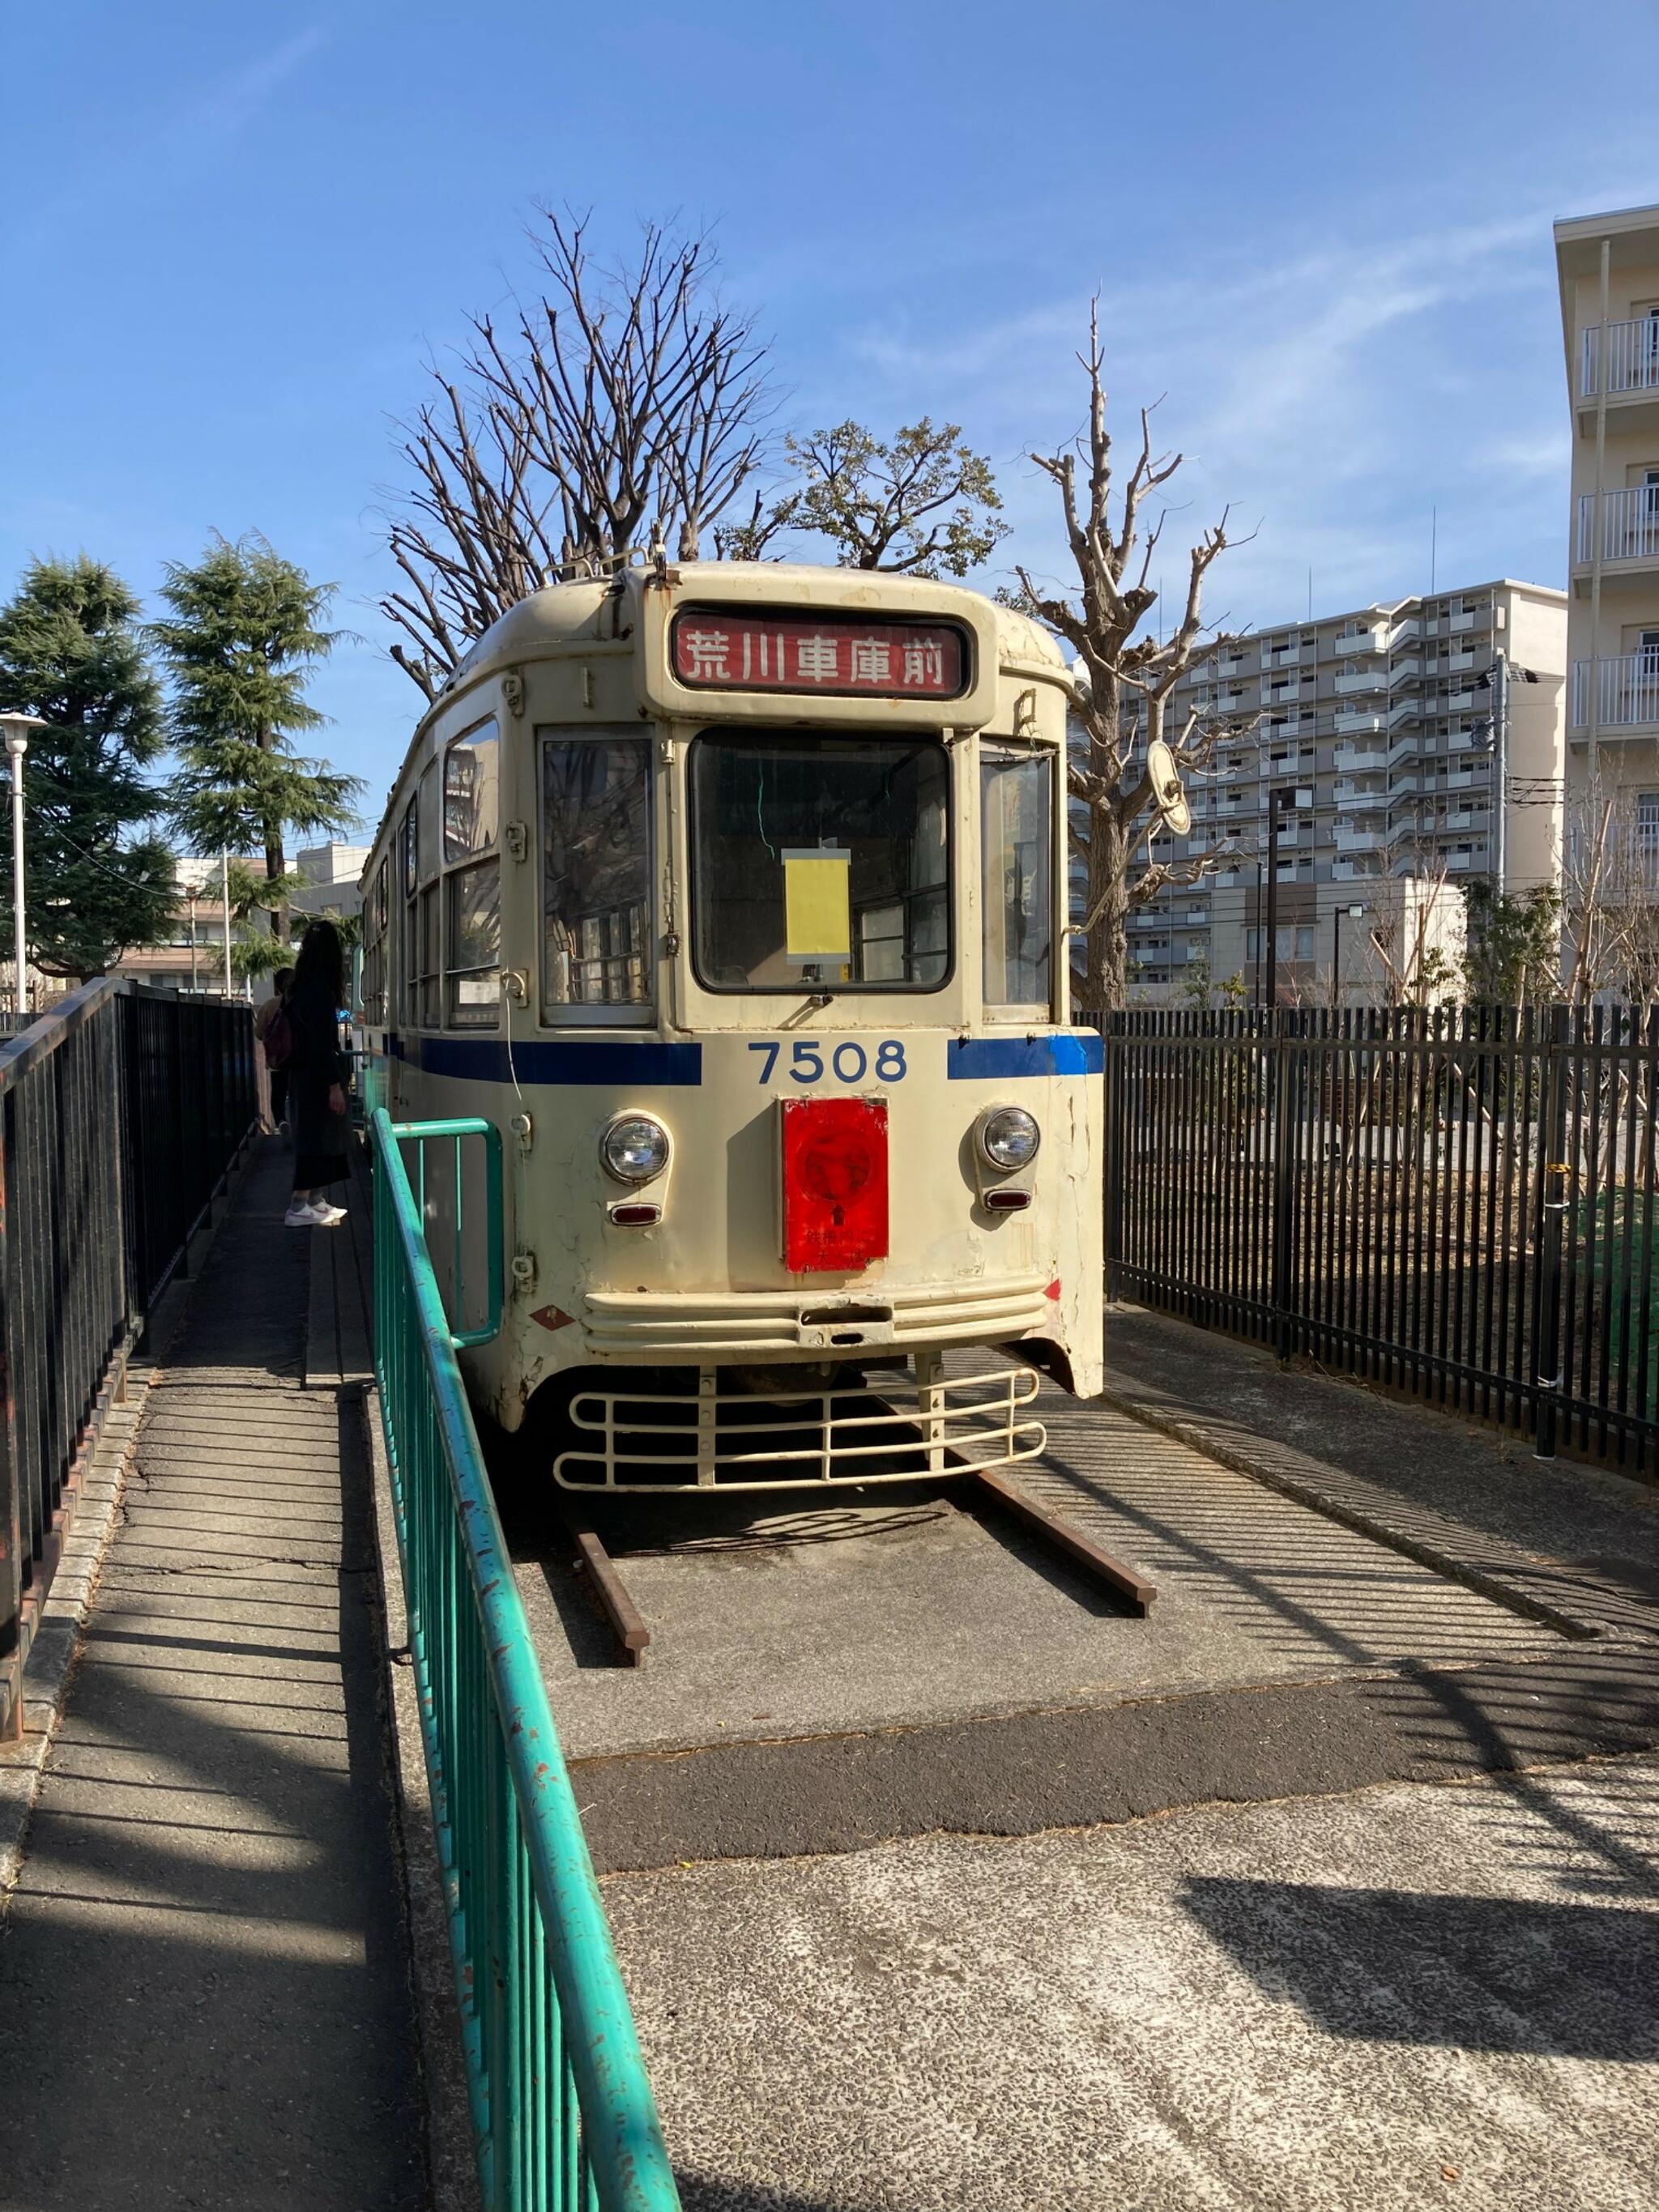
(834, 1184)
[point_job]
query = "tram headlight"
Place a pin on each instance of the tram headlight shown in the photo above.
(1009, 1137)
(633, 1148)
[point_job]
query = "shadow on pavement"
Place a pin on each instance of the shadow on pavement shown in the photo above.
(1467, 1974)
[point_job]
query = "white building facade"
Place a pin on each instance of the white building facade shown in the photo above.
(1379, 736)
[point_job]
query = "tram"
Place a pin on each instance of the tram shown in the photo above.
(732, 894)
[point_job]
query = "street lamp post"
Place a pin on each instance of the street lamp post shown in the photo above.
(1353, 914)
(16, 728)
(224, 896)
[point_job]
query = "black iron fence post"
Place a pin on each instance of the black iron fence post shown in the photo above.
(1280, 1134)
(1112, 1026)
(1554, 1178)
(11, 1468)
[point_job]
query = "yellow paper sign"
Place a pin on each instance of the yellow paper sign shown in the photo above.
(817, 904)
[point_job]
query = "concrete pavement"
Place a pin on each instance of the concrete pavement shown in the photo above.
(203, 1973)
(1402, 1998)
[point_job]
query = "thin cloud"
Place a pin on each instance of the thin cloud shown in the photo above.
(175, 149)
(1333, 397)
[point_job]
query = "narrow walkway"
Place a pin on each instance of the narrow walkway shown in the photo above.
(203, 1977)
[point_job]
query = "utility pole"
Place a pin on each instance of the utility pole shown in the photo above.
(1278, 799)
(16, 728)
(191, 894)
(1500, 730)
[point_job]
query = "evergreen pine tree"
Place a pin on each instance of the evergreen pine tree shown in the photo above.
(71, 651)
(245, 634)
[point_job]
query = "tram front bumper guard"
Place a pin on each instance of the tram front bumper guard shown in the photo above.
(738, 1440)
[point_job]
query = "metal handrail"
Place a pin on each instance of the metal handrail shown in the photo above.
(470, 1125)
(562, 2110)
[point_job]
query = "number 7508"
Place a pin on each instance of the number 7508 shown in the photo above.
(849, 1061)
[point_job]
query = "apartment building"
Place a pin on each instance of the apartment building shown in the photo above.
(191, 954)
(1608, 268)
(1376, 735)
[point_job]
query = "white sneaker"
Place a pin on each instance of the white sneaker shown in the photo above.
(325, 1210)
(308, 1217)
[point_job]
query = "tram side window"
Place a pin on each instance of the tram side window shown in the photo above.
(473, 893)
(1017, 843)
(595, 877)
(820, 864)
(423, 937)
(409, 868)
(374, 948)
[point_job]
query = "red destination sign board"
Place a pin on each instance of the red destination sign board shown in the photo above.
(718, 649)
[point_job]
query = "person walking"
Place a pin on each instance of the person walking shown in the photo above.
(317, 1085)
(272, 1081)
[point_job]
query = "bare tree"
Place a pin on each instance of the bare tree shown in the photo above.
(1124, 668)
(1610, 897)
(622, 396)
(1408, 936)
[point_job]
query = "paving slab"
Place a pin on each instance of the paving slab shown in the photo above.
(203, 1971)
(1398, 1998)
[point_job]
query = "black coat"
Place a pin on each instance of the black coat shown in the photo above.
(317, 1064)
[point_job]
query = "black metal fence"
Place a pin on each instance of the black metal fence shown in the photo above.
(120, 1114)
(1458, 1203)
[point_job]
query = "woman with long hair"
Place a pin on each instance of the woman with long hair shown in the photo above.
(317, 1079)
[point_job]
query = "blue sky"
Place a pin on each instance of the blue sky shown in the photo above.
(231, 238)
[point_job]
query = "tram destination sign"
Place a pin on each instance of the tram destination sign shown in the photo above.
(723, 650)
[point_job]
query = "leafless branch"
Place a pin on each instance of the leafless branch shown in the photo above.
(619, 394)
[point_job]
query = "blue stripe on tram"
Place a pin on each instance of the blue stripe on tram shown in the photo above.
(998, 1060)
(555, 1060)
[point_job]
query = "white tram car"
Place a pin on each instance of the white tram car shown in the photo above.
(733, 894)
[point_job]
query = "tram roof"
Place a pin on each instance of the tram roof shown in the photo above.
(568, 613)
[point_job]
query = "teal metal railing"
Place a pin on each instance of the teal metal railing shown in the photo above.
(562, 2110)
(421, 1133)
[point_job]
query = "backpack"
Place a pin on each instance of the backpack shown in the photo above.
(282, 1041)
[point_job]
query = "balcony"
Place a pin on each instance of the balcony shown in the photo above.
(1362, 679)
(1352, 837)
(1629, 529)
(1358, 757)
(1629, 353)
(1356, 721)
(1623, 690)
(1352, 871)
(1372, 639)
(1355, 798)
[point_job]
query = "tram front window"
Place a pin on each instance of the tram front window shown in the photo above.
(820, 864)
